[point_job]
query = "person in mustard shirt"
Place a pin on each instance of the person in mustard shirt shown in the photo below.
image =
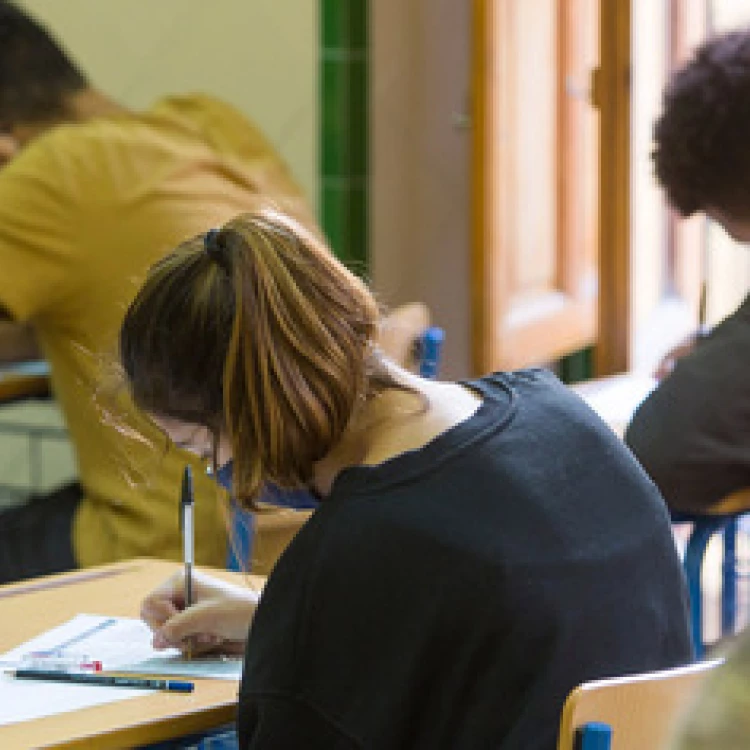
(91, 194)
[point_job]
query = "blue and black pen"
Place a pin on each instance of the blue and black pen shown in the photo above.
(106, 680)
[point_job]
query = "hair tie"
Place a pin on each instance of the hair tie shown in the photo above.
(210, 243)
(215, 248)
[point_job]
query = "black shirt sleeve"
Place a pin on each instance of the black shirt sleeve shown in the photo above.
(279, 722)
(692, 435)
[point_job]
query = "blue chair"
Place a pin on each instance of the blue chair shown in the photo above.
(243, 523)
(704, 527)
(427, 353)
(428, 350)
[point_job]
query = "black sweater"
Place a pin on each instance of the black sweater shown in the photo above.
(452, 596)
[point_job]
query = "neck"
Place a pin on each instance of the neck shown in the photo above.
(82, 106)
(368, 422)
(89, 104)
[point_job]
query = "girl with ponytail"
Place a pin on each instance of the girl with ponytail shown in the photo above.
(480, 548)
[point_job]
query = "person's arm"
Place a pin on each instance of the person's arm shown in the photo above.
(676, 353)
(691, 434)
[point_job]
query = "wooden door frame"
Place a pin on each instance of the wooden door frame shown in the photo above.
(483, 302)
(612, 97)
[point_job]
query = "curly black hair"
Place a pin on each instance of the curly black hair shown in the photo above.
(702, 138)
(36, 74)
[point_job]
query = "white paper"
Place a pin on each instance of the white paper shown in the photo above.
(121, 644)
(23, 700)
(615, 399)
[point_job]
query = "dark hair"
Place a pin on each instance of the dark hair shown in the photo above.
(36, 75)
(702, 139)
(259, 331)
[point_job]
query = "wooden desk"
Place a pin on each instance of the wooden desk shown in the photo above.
(32, 607)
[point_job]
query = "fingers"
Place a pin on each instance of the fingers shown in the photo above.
(670, 359)
(202, 643)
(201, 624)
(155, 612)
(164, 602)
(664, 369)
(219, 616)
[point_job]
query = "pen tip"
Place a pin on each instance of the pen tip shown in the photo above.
(187, 482)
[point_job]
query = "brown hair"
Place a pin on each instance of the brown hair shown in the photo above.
(258, 330)
(36, 74)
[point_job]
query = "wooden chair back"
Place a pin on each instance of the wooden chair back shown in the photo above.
(640, 709)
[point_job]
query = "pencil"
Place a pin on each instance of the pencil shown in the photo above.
(87, 678)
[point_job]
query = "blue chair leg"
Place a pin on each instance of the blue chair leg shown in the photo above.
(729, 578)
(702, 532)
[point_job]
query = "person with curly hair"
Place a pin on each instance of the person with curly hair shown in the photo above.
(691, 433)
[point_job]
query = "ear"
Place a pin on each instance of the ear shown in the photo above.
(9, 147)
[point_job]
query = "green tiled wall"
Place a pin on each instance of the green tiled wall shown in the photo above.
(577, 366)
(344, 121)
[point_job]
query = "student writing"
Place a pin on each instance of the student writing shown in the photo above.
(480, 548)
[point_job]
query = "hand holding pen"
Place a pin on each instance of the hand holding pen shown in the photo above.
(217, 621)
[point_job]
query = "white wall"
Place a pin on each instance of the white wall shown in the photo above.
(260, 55)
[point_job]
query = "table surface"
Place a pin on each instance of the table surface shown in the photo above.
(32, 607)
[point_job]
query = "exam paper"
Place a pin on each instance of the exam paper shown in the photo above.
(122, 645)
(616, 398)
(22, 700)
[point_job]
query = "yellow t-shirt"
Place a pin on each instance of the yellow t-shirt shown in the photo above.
(85, 210)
